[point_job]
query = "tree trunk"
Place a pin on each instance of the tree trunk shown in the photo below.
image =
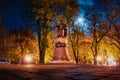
(22, 52)
(95, 55)
(42, 55)
(95, 59)
(39, 40)
(74, 52)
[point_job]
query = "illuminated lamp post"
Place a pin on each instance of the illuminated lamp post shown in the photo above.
(99, 59)
(28, 59)
(111, 61)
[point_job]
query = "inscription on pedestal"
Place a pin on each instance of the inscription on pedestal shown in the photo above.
(60, 45)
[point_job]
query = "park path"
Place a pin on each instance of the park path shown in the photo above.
(58, 72)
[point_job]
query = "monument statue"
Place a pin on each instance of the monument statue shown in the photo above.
(62, 30)
(61, 54)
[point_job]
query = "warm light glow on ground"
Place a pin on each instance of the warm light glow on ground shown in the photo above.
(110, 61)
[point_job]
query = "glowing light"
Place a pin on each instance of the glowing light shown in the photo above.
(80, 20)
(111, 61)
(28, 59)
(99, 58)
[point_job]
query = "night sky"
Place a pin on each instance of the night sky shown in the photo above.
(12, 12)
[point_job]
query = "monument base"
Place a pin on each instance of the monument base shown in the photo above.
(61, 61)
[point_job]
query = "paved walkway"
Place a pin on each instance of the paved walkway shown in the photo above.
(58, 72)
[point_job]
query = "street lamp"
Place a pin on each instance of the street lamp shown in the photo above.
(28, 59)
(111, 61)
(99, 58)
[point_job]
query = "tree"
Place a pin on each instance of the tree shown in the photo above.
(74, 39)
(3, 42)
(114, 35)
(99, 27)
(106, 50)
(23, 41)
(43, 18)
(11, 49)
(98, 30)
(112, 12)
(85, 56)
